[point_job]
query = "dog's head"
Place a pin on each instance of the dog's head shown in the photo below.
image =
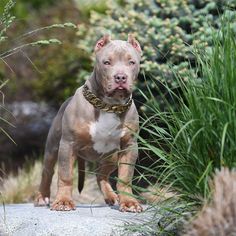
(117, 66)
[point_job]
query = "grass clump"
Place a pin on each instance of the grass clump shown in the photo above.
(196, 137)
(200, 134)
(21, 188)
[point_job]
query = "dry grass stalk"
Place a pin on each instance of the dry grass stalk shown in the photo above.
(218, 218)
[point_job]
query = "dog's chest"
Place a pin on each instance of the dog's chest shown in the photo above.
(106, 133)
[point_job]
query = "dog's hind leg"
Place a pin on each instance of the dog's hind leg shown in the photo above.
(50, 158)
(43, 196)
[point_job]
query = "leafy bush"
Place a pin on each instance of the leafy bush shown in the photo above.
(167, 30)
(86, 7)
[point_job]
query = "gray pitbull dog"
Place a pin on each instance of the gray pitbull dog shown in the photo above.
(97, 124)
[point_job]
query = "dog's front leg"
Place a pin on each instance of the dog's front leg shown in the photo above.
(105, 169)
(127, 161)
(66, 158)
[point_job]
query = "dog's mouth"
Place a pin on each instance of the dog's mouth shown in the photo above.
(119, 88)
(119, 91)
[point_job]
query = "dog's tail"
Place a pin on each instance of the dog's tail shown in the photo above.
(219, 216)
(81, 174)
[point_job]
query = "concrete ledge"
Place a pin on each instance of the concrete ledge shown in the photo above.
(86, 220)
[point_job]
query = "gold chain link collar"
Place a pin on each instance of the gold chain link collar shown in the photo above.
(98, 103)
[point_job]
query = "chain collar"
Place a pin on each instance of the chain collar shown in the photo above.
(98, 103)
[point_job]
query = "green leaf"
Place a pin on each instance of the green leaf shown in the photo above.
(69, 24)
(46, 42)
(56, 41)
(223, 140)
(3, 84)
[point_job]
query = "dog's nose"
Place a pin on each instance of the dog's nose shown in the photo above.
(120, 78)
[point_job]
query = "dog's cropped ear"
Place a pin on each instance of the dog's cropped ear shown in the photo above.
(102, 42)
(134, 43)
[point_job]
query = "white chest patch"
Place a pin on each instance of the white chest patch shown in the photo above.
(105, 133)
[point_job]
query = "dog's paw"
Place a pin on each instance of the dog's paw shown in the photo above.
(63, 204)
(128, 204)
(111, 198)
(41, 201)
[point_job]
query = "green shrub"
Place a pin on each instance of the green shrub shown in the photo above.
(86, 7)
(167, 30)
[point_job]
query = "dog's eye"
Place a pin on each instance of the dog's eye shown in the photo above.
(131, 62)
(107, 63)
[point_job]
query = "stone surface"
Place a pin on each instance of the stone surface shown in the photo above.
(86, 220)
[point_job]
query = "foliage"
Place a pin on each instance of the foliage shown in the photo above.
(24, 7)
(201, 133)
(20, 188)
(86, 7)
(4, 121)
(7, 19)
(5, 22)
(58, 66)
(167, 30)
(37, 3)
(23, 50)
(191, 140)
(41, 42)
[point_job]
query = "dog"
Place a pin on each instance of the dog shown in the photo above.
(98, 123)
